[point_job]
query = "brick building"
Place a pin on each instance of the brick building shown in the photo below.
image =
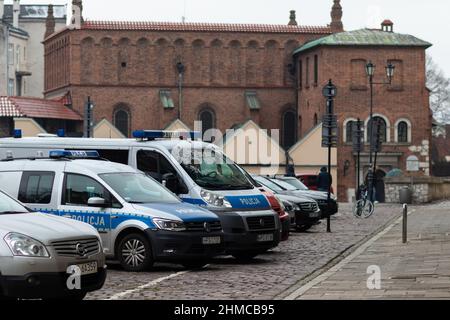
(146, 75)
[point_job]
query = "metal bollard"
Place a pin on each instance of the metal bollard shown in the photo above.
(405, 223)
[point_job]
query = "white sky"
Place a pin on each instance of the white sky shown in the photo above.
(427, 20)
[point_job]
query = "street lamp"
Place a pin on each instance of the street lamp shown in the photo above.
(370, 71)
(181, 69)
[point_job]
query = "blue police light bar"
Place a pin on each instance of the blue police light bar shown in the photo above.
(17, 133)
(160, 134)
(58, 154)
(61, 133)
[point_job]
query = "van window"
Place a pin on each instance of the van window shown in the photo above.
(79, 189)
(36, 187)
(154, 164)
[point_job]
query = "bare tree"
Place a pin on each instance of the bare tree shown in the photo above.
(439, 86)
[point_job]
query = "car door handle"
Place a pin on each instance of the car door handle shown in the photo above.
(114, 217)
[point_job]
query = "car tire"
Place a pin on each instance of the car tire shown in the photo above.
(303, 228)
(245, 256)
(195, 265)
(134, 253)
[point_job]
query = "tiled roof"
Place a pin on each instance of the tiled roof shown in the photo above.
(366, 37)
(36, 108)
(202, 27)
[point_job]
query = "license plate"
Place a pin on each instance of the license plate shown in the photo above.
(265, 237)
(211, 240)
(314, 214)
(88, 268)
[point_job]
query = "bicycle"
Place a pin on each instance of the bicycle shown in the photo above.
(363, 208)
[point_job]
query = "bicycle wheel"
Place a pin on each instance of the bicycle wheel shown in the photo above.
(368, 209)
(358, 207)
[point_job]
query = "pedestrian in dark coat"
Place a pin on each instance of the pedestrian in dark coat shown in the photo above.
(324, 180)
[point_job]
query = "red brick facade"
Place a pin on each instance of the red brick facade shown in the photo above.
(406, 99)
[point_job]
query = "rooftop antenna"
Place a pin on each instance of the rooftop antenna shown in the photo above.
(183, 18)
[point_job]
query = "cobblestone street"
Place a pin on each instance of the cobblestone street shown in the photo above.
(273, 275)
(419, 269)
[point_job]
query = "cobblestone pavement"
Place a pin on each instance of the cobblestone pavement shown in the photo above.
(266, 277)
(419, 269)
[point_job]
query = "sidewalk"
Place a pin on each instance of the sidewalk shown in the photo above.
(419, 269)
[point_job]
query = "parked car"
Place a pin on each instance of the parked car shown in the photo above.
(140, 221)
(292, 186)
(36, 250)
(214, 182)
(310, 181)
(305, 209)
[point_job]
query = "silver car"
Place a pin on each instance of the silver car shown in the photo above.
(45, 256)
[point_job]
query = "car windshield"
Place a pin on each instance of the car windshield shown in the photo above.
(285, 185)
(295, 183)
(9, 206)
(213, 170)
(138, 188)
(269, 184)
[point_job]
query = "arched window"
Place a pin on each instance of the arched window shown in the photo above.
(402, 132)
(289, 129)
(122, 121)
(349, 131)
(383, 128)
(208, 119)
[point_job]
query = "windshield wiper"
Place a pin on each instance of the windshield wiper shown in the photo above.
(136, 202)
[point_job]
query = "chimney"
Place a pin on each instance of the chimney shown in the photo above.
(387, 26)
(16, 13)
(292, 19)
(336, 17)
(2, 9)
(77, 14)
(50, 22)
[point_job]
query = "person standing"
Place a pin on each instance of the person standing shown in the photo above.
(324, 180)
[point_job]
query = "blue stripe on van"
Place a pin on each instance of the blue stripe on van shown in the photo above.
(257, 201)
(198, 202)
(100, 221)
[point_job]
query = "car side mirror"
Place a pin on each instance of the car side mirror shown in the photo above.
(97, 202)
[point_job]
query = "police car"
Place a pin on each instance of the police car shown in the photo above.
(138, 219)
(198, 172)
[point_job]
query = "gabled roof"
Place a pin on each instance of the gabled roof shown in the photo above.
(202, 27)
(36, 108)
(366, 37)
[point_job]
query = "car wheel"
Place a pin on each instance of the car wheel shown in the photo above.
(195, 264)
(245, 256)
(303, 228)
(134, 253)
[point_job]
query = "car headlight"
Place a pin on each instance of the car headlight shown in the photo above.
(214, 199)
(169, 225)
(22, 245)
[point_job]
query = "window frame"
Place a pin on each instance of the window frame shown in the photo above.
(25, 180)
(110, 204)
(408, 133)
(117, 111)
(165, 96)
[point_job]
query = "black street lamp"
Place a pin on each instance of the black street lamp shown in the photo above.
(181, 69)
(370, 71)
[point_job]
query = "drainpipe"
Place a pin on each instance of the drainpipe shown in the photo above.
(6, 34)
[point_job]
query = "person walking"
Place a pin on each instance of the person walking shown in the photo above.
(324, 180)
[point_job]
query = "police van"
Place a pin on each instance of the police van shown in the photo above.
(139, 220)
(198, 172)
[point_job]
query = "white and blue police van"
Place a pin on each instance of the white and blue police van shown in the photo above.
(139, 220)
(198, 172)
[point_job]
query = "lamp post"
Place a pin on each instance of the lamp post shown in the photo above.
(370, 71)
(329, 136)
(180, 68)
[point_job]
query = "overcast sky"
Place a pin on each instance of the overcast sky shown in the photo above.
(427, 20)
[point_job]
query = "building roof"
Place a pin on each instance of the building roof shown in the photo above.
(366, 37)
(202, 27)
(36, 108)
(35, 11)
(15, 30)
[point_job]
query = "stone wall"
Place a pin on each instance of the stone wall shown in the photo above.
(425, 189)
